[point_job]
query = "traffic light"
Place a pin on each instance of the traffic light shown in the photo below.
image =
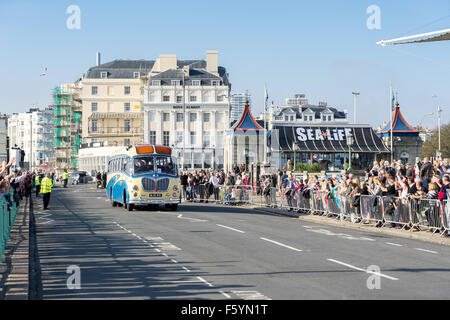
(22, 155)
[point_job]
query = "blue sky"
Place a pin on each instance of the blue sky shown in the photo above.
(320, 48)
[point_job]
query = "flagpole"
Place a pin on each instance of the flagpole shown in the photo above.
(392, 123)
(265, 132)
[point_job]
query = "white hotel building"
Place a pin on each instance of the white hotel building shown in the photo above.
(32, 132)
(186, 106)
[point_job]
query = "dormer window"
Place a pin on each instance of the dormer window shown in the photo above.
(175, 82)
(103, 75)
(156, 82)
(215, 83)
(136, 75)
(196, 83)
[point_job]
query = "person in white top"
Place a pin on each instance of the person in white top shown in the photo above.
(214, 180)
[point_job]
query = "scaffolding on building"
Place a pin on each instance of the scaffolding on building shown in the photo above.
(67, 128)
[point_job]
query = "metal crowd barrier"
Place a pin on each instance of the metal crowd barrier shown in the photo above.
(428, 213)
(383, 210)
(7, 219)
(371, 208)
(445, 215)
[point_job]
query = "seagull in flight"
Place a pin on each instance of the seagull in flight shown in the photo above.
(44, 73)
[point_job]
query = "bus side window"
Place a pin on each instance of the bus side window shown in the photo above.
(130, 166)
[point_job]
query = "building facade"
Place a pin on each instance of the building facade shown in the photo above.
(94, 158)
(244, 142)
(318, 134)
(112, 98)
(3, 137)
(238, 102)
(297, 111)
(186, 107)
(32, 132)
(67, 126)
(407, 143)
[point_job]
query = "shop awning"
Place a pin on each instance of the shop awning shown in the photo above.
(326, 139)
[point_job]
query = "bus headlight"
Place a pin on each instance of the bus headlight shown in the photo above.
(175, 188)
(135, 188)
(135, 195)
(174, 194)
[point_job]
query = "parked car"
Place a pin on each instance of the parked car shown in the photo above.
(79, 177)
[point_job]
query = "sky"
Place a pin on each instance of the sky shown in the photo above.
(323, 49)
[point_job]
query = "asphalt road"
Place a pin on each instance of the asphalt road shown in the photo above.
(205, 251)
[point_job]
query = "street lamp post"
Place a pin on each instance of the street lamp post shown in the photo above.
(295, 148)
(439, 110)
(214, 156)
(184, 121)
(350, 141)
(355, 95)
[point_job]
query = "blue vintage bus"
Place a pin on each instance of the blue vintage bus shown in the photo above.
(143, 175)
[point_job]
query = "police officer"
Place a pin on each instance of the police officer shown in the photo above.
(65, 178)
(46, 189)
(37, 184)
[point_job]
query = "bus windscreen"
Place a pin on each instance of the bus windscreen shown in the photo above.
(143, 165)
(166, 165)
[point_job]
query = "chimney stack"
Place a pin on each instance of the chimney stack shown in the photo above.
(212, 62)
(98, 59)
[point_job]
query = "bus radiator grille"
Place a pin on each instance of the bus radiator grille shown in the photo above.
(150, 185)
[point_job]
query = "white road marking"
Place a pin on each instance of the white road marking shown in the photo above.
(425, 250)
(203, 280)
(237, 230)
(192, 219)
(163, 245)
(250, 295)
(174, 261)
(225, 295)
(281, 244)
(165, 255)
(394, 244)
(185, 281)
(339, 235)
(307, 227)
(187, 270)
(368, 239)
(363, 270)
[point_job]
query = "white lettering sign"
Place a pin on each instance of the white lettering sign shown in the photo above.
(309, 134)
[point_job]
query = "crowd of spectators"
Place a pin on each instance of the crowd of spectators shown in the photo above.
(205, 185)
(421, 180)
(14, 185)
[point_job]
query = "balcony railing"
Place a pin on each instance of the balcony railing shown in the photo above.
(116, 131)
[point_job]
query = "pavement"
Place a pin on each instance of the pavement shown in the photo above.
(14, 270)
(207, 251)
